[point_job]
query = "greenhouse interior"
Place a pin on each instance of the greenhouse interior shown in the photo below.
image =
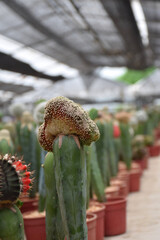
(79, 120)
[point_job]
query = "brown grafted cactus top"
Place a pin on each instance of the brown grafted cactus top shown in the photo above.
(63, 116)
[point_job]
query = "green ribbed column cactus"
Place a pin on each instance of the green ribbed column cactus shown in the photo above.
(29, 145)
(96, 177)
(66, 128)
(14, 179)
(101, 148)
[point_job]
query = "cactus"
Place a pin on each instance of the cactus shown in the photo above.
(6, 145)
(39, 118)
(96, 177)
(66, 128)
(16, 109)
(101, 149)
(14, 180)
(29, 145)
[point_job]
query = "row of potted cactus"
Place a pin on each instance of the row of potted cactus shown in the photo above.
(87, 162)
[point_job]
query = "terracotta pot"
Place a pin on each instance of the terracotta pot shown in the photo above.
(123, 191)
(112, 191)
(157, 133)
(121, 166)
(99, 210)
(135, 177)
(34, 225)
(29, 204)
(91, 225)
(115, 216)
(124, 176)
(154, 150)
(142, 162)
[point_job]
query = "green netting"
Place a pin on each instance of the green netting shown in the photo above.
(132, 76)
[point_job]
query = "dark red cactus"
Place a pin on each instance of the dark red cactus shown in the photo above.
(116, 131)
(14, 179)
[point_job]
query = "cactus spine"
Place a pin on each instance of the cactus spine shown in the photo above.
(64, 117)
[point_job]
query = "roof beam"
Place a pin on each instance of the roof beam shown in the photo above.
(122, 15)
(24, 13)
(10, 63)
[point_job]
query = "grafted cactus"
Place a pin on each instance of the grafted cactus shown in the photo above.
(66, 128)
(14, 180)
(17, 109)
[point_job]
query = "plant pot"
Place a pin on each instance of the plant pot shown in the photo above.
(99, 210)
(121, 166)
(29, 204)
(135, 177)
(34, 225)
(143, 163)
(154, 150)
(112, 191)
(123, 191)
(91, 225)
(124, 176)
(115, 216)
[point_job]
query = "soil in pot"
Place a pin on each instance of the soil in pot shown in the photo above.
(123, 191)
(99, 210)
(115, 216)
(34, 225)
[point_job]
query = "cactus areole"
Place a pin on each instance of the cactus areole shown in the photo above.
(14, 180)
(66, 128)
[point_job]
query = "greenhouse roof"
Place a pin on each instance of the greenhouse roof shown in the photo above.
(84, 34)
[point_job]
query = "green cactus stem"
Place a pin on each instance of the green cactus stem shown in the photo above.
(54, 226)
(66, 129)
(6, 145)
(101, 149)
(14, 179)
(96, 177)
(11, 224)
(88, 169)
(126, 144)
(30, 149)
(70, 173)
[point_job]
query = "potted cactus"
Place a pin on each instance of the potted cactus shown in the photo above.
(65, 131)
(14, 181)
(6, 144)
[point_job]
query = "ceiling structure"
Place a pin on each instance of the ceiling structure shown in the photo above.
(84, 34)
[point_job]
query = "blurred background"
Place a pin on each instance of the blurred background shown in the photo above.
(96, 52)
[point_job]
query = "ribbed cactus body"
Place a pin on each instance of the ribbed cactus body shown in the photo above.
(110, 149)
(29, 143)
(70, 175)
(126, 144)
(11, 224)
(102, 153)
(54, 226)
(88, 169)
(96, 177)
(9, 182)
